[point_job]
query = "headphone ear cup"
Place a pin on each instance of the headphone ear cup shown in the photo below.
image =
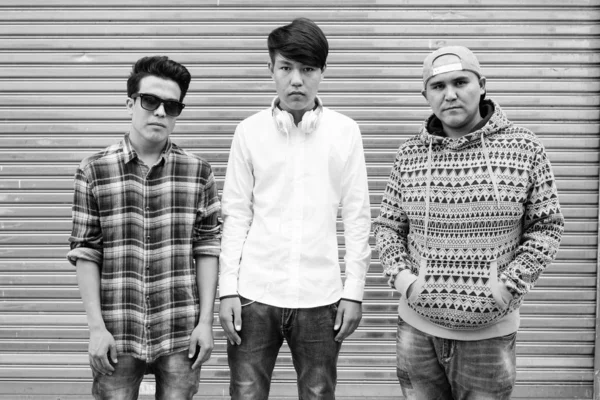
(309, 121)
(283, 120)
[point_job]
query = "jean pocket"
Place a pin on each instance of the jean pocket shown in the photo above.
(334, 306)
(244, 302)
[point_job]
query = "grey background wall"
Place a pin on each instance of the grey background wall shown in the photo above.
(63, 68)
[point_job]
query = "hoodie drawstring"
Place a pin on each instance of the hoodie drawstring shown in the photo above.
(490, 171)
(428, 184)
(429, 178)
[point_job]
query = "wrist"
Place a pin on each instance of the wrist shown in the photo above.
(208, 320)
(403, 281)
(96, 326)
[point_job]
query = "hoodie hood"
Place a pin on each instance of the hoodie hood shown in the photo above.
(494, 120)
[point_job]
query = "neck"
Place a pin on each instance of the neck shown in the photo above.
(148, 152)
(298, 114)
(463, 130)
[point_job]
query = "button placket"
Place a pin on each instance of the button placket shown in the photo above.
(146, 260)
(297, 217)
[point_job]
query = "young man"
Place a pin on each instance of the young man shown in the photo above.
(145, 242)
(469, 220)
(290, 168)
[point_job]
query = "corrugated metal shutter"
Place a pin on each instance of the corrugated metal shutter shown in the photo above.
(63, 67)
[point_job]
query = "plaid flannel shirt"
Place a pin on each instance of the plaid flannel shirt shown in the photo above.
(143, 227)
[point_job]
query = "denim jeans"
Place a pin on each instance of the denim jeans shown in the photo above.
(310, 337)
(175, 379)
(432, 368)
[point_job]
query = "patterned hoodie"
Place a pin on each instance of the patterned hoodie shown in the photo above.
(466, 219)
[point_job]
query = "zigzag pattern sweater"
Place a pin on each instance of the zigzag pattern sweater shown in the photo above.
(465, 216)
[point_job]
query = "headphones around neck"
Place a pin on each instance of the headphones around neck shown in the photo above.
(285, 121)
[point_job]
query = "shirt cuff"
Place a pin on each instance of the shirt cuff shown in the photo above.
(229, 296)
(228, 286)
(403, 281)
(508, 287)
(353, 290)
(392, 272)
(85, 253)
(351, 300)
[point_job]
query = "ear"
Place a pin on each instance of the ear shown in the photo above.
(270, 66)
(482, 85)
(424, 93)
(129, 103)
(323, 69)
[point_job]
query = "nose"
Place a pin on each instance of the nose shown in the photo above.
(450, 94)
(160, 111)
(296, 78)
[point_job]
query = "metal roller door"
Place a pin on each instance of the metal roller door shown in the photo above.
(63, 70)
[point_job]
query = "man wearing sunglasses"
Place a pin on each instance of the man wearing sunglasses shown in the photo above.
(145, 243)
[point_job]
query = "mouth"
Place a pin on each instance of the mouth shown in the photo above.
(452, 108)
(157, 124)
(296, 94)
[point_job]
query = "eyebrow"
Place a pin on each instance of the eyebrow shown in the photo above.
(162, 98)
(454, 79)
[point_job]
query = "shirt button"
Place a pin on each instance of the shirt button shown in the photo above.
(147, 208)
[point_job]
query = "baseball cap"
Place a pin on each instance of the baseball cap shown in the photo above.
(468, 62)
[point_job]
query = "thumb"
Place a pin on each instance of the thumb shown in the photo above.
(192, 348)
(113, 352)
(338, 319)
(237, 317)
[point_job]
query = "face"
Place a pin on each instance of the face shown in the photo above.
(150, 129)
(454, 98)
(296, 84)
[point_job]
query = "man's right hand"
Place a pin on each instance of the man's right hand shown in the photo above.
(101, 342)
(230, 315)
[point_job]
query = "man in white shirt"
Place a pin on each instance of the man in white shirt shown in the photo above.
(290, 168)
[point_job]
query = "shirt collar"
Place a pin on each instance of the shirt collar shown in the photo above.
(130, 154)
(276, 101)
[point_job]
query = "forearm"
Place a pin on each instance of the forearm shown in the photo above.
(357, 227)
(237, 211)
(88, 279)
(207, 270)
(392, 225)
(235, 231)
(391, 244)
(538, 249)
(542, 230)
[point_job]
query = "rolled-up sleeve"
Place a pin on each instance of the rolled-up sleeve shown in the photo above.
(86, 236)
(207, 227)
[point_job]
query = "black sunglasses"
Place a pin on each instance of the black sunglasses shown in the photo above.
(151, 102)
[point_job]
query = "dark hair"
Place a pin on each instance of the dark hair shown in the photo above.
(161, 67)
(301, 41)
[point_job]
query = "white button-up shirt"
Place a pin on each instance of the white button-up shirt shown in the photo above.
(280, 205)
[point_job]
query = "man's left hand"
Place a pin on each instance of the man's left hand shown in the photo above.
(202, 337)
(348, 317)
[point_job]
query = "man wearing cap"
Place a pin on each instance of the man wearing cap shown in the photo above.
(469, 220)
